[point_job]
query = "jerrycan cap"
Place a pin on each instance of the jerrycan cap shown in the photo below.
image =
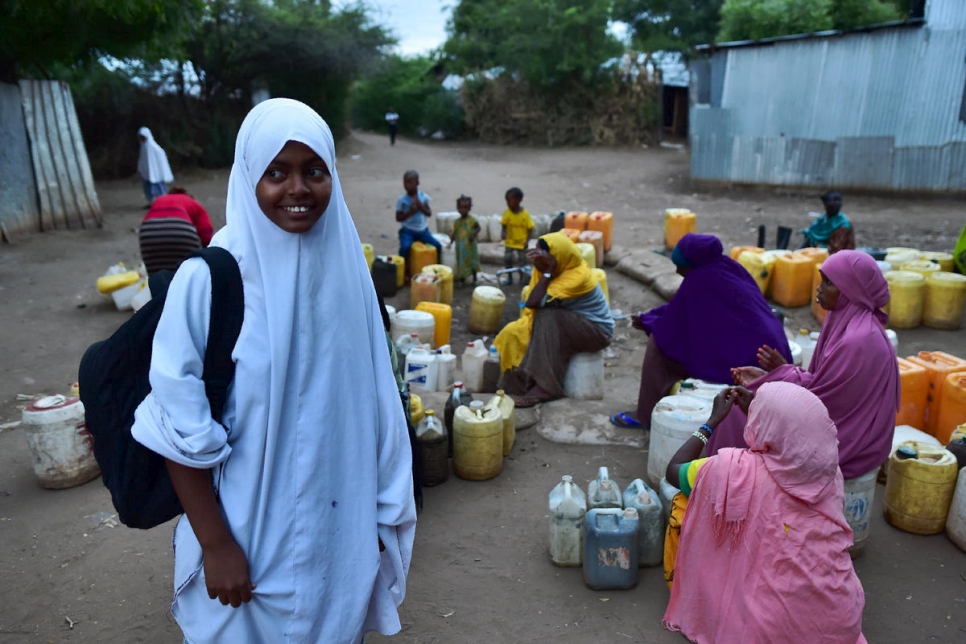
(644, 498)
(606, 484)
(630, 513)
(803, 331)
(476, 405)
(566, 478)
(500, 393)
(905, 452)
(429, 412)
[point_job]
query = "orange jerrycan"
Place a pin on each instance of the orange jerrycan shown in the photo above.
(573, 233)
(938, 365)
(576, 220)
(603, 222)
(914, 382)
(443, 320)
(738, 250)
(791, 281)
(677, 223)
(420, 255)
(596, 239)
(952, 413)
(425, 287)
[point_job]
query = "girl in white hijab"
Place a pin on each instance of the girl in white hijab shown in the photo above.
(153, 166)
(310, 535)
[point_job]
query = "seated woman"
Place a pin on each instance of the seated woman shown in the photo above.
(175, 226)
(715, 322)
(833, 231)
(763, 555)
(854, 370)
(566, 313)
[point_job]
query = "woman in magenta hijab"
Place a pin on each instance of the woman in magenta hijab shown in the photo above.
(853, 371)
(763, 555)
(715, 322)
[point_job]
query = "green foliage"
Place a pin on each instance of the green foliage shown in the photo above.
(756, 19)
(669, 25)
(409, 85)
(549, 43)
(36, 35)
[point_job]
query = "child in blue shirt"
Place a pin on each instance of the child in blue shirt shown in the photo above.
(412, 210)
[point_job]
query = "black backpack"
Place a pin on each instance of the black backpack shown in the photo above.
(113, 380)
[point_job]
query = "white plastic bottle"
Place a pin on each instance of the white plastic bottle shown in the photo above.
(473, 359)
(406, 343)
(646, 501)
(421, 369)
(603, 492)
(445, 368)
(568, 506)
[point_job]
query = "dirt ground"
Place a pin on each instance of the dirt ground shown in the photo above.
(480, 570)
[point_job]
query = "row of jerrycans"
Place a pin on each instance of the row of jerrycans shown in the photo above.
(478, 436)
(609, 534)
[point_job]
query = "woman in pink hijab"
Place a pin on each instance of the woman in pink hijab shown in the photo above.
(763, 555)
(853, 370)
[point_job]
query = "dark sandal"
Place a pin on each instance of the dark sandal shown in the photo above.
(625, 420)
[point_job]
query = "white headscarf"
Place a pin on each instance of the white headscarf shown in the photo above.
(152, 160)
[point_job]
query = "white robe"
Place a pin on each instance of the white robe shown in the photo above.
(315, 466)
(152, 160)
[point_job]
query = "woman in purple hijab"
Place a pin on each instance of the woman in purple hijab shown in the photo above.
(717, 321)
(853, 370)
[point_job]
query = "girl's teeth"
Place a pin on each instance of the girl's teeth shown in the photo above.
(297, 208)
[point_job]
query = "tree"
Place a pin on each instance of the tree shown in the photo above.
(756, 19)
(670, 25)
(36, 36)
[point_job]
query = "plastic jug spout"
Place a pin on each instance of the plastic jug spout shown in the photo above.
(630, 513)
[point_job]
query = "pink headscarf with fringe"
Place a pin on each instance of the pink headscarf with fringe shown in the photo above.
(854, 368)
(764, 544)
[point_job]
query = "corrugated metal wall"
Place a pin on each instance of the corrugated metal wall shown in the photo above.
(871, 110)
(18, 191)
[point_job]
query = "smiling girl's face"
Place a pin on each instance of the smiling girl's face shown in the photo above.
(295, 189)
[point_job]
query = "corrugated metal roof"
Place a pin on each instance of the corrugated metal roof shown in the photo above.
(830, 33)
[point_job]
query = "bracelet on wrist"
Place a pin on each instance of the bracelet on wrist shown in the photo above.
(701, 437)
(707, 428)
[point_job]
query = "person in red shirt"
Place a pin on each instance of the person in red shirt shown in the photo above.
(175, 226)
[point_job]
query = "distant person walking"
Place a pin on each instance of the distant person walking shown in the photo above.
(153, 167)
(392, 120)
(175, 226)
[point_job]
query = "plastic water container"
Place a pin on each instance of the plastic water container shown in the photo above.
(859, 494)
(486, 310)
(472, 362)
(938, 366)
(477, 442)
(445, 221)
(952, 411)
(507, 408)
(568, 506)
(759, 266)
(442, 320)
(668, 492)
(116, 277)
(61, 448)
(945, 299)
(445, 275)
(673, 420)
(576, 220)
(796, 351)
(956, 519)
(902, 434)
(603, 221)
(406, 343)
(899, 256)
(817, 255)
(421, 369)
(447, 254)
(572, 233)
(677, 223)
(588, 253)
(391, 310)
(736, 251)
(431, 437)
(400, 263)
(770, 258)
(920, 488)
(416, 409)
(541, 225)
(807, 342)
(893, 338)
(921, 266)
(445, 367)
(914, 385)
(699, 389)
(369, 253)
(495, 226)
(424, 287)
(601, 276)
(584, 379)
(596, 239)
(457, 398)
(650, 540)
(603, 492)
(421, 255)
(384, 276)
(142, 296)
(884, 266)
(792, 280)
(817, 311)
(421, 323)
(907, 295)
(491, 370)
(945, 260)
(610, 559)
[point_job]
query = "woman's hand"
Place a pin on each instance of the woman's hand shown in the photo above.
(721, 406)
(742, 397)
(636, 321)
(770, 359)
(542, 260)
(744, 376)
(226, 573)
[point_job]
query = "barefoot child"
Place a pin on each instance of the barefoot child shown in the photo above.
(299, 514)
(517, 228)
(465, 231)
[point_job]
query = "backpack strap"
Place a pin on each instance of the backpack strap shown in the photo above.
(227, 314)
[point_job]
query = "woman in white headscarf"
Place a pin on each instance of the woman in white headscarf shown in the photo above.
(306, 534)
(153, 166)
